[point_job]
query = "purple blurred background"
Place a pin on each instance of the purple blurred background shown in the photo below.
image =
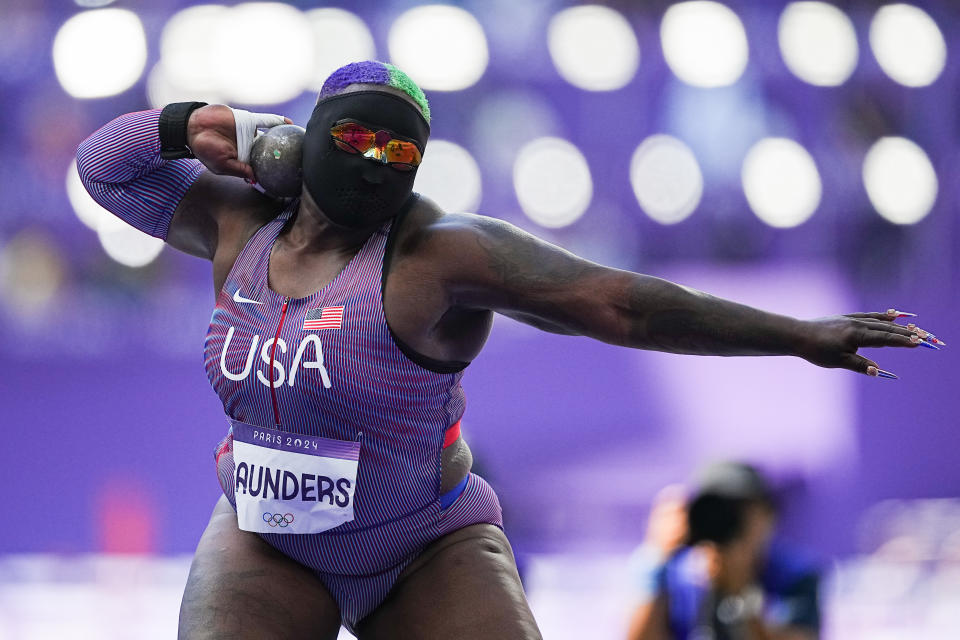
(109, 424)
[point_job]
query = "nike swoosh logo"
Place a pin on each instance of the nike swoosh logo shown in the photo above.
(239, 298)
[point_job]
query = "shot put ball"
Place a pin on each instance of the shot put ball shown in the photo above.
(275, 158)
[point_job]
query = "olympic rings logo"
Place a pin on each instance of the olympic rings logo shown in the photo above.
(278, 520)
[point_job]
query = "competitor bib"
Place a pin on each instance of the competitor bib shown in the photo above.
(289, 483)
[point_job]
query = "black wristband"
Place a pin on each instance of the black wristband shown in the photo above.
(173, 129)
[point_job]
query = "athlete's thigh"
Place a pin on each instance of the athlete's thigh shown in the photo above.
(465, 586)
(241, 587)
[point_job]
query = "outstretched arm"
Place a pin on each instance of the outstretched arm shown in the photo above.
(490, 264)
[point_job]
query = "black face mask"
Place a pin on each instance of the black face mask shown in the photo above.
(351, 190)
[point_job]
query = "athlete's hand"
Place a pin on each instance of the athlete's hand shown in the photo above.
(834, 341)
(213, 132)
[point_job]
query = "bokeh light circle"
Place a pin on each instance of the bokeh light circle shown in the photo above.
(666, 179)
(187, 49)
(339, 37)
(450, 176)
(127, 245)
(441, 47)
(704, 43)
(88, 210)
(908, 44)
(900, 180)
(263, 53)
(162, 89)
(781, 182)
(100, 53)
(818, 43)
(122, 242)
(552, 182)
(593, 47)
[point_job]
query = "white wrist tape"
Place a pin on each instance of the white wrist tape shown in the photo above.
(247, 125)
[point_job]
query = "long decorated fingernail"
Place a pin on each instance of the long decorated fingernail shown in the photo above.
(917, 340)
(900, 314)
(887, 374)
(934, 339)
(926, 335)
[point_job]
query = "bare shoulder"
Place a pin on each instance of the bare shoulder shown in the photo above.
(478, 263)
(432, 221)
(436, 242)
(417, 226)
(470, 248)
(429, 233)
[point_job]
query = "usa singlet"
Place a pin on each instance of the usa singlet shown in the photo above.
(326, 365)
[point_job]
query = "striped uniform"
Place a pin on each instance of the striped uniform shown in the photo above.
(326, 380)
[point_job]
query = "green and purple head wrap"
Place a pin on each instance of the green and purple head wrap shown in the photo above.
(375, 72)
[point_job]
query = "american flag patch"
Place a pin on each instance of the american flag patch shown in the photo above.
(323, 318)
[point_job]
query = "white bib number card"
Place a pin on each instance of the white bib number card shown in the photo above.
(289, 483)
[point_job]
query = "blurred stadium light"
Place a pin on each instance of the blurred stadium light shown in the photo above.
(704, 43)
(818, 43)
(781, 181)
(666, 179)
(900, 180)
(187, 54)
(251, 43)
(443, 48)
(450, 176)
(339, 37)
(593, 47)
(552, 181)
(908, 44)
(87, 209)
(100, 53)
(127, 245)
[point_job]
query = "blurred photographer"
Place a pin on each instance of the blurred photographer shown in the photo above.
(709, 568)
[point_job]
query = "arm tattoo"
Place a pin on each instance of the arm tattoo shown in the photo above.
(523, 264)
(668, 317)
(682, 331)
